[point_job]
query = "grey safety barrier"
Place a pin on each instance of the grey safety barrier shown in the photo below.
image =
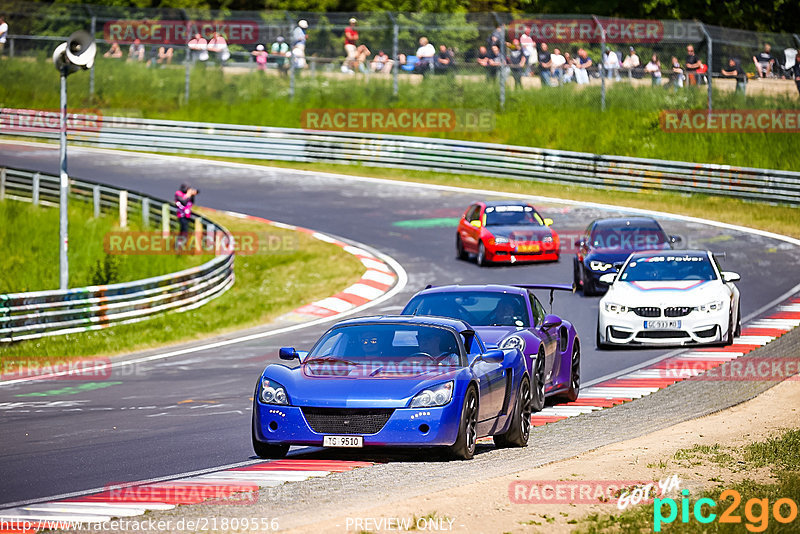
(37, 314)
(415, 153)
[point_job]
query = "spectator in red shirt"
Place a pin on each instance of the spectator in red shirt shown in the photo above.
(351, 45)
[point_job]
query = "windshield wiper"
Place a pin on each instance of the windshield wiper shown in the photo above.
(331, 359)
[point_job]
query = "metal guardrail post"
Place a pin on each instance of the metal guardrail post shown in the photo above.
(10, 47)
(165, 218)
(2, 183)
(710, 57)
(146, 212)
(123, 209)
(35, 189)
(96, 200)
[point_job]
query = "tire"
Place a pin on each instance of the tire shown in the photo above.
(265, 450)
(464, 447)
(576, 275)
(519, 429)
(481, 259)
(728, 339)
(537, 394)
(571, 394)
(589, 287)
(738, 331)
(461, 254)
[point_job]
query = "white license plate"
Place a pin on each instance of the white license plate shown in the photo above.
(343, 441)
(662, 325)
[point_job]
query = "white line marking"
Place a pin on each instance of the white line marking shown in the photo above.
(364, 291)
(378, 276)
(334, 303)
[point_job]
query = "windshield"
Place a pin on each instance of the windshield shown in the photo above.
(629, 238)
(668, 268)
(478, 308)
(377, 344)
(512, 216)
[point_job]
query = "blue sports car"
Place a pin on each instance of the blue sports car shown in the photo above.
(510, 316)
(397, 382)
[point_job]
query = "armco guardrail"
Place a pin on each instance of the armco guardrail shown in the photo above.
(420, 153)
(47, 313)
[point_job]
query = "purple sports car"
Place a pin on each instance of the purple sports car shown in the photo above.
(511, 316)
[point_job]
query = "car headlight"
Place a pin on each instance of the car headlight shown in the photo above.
(272, 393)
(501, 240)
(714, 305)
(437, 396)
(547, 239)
(600, 266)
(513, 342)
(615, 308)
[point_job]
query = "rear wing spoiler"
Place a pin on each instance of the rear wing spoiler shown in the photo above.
(551, 287)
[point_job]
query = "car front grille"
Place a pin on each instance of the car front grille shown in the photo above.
(663, 334)
(679, 311)
(347, 420)
(647, 311)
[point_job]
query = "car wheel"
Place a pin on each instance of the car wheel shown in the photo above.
(265, 450)
(574, 375)
(728, 339)
(519, 429)
(738, 331)
(464, 447)
(576, 275)
(461, 254)
(600, 345)
(589, 287)
(481, 260)
(537, 400)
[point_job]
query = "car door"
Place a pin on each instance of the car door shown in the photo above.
(492, 384)
(470, 234)
(548, 336)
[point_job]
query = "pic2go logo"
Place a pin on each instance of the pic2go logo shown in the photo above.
(756, 511)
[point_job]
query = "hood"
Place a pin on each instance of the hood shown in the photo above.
(493, 335)
(607, 255)
(520, 232)
(662, 293)
(339, 388)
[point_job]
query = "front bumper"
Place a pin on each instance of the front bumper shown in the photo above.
(405, 427)
(514, 252)
(696, 328)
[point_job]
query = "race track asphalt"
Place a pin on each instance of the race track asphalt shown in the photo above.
(192, 412)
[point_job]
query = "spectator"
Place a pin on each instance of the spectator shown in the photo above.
(114, 51)
(219, 45)
(362, 53)
(136, 51)
(528, 49)
(497, 37)
(611, 64)
(692, 64)
(702, 74)
(199, 48)
(764, 61)
(569, 68)
(794, 72)
(631, 63)
(261, 56)
(382, 63)
(517, 61)
(425, 54)
(350, 46)
(582, 66)
(444, 61)
(676, 73)
(654, 69)
(3, 34)
(545, 64)
(496, 61)
(558, 62)
(165, 53)
(299, 44)
(734, 70)
(483, 61)
(184, 199)
(280, 50)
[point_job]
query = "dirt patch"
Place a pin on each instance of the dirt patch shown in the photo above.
(707, 458)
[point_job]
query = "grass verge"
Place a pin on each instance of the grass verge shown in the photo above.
(267, 285)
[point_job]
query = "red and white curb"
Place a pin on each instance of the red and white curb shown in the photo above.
(693, 362)
(376, 281)
(234, 486)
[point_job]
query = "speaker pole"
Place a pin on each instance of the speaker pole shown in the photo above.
(62, 205)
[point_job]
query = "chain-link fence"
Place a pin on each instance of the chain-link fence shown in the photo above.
(593, 61)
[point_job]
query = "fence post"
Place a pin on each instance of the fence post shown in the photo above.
(710, 57)
(123, 209)
(198, 233)
(2, 183)
(165, 218)
(91, 71)
(395, 46)
(96, 200)
(189, 60)
(600, 67)
(11, 47)
(35, 189)
(146, 212)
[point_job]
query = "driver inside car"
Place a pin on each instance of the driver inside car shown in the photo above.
(505, 313)
(440, 346)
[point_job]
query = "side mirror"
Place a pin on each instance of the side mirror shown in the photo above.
(675, 239)
(551, 321)
(476, 223)
(288, 353)
(493, 356)
(548, 222)
(607, 278)
(728, 276)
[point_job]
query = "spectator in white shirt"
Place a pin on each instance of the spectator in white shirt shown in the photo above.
(425, 54)
(631, 62)
(611, 64)
(654, 69)
(528, 49)
(3, 34)
(558, 61)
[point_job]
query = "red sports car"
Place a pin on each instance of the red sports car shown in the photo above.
(506, 231)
